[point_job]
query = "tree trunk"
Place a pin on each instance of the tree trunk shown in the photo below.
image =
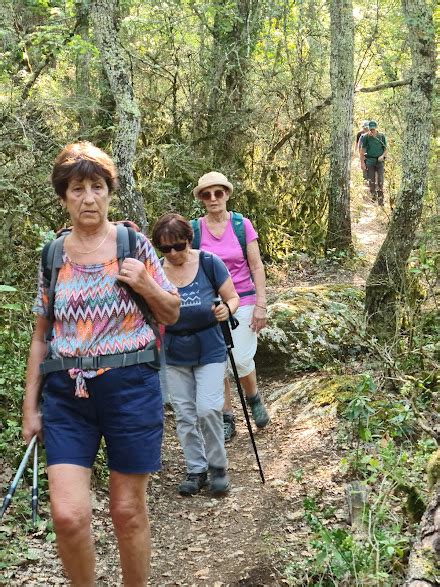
(103, 15)
(83, 69)
(341, 78)
(235, 31)
(423, 564)
(386, 280)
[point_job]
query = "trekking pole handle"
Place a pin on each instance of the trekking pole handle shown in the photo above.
(224, 326)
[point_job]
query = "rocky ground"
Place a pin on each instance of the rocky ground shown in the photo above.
(248, 537)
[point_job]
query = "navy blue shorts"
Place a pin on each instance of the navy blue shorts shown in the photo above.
(124, 407)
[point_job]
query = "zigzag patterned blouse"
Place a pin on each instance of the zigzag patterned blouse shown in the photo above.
(94, 315)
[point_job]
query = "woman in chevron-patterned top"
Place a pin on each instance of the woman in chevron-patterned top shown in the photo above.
(94, 346)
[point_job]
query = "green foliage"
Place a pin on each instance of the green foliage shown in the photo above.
(374, 554)
(373, 413)
(340, 556)
(389, 426)
(14, 345)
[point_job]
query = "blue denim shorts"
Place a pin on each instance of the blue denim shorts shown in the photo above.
(124, 406)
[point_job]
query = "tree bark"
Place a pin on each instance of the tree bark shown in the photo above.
(386, 281)
(341, 78)
(234, 32)
(103, 15)
(423, 564)
(83, 68)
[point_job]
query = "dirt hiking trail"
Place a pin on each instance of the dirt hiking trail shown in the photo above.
(246, 537)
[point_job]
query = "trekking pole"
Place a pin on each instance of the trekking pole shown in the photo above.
(35, 486)
(18, 474)
(226, 331)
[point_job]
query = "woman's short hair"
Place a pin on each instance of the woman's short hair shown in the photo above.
(171, 227)
(82, 160)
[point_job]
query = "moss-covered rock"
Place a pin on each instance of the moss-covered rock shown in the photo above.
(317, 395)
(310, 328)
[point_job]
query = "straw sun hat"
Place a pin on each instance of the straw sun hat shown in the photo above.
(212, 178)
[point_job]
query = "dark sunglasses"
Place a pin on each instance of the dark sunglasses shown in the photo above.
(207, 195)
(176, 246)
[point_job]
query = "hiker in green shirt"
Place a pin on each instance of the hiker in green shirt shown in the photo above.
(373, 149)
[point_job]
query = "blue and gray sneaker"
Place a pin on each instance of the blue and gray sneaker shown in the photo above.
(193, 483)
(229, 426)
(259, 412)
(219, 482)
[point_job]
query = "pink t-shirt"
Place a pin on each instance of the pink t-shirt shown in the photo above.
(228, 248)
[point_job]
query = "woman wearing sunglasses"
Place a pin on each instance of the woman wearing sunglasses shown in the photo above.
(196, 353)
(247, 271)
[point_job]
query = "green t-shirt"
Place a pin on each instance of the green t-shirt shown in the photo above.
(373, 146)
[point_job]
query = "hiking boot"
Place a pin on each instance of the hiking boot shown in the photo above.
(259, 412)
(219, 483)
(193, 483)
(229, 427)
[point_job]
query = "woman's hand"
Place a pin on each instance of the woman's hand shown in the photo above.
(134, 274)
(259, 319)
(164, 305)
(31, 425)
(230, 297)
(221, 312)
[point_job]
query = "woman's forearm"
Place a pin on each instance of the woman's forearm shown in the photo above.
(233, 303)
(164, 305)
(32, 423)
(257, 271)
(37, 354)
(259, 277)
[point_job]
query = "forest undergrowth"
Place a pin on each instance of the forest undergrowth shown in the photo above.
(349, 456)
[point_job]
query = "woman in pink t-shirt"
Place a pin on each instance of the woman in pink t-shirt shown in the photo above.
(218, 236)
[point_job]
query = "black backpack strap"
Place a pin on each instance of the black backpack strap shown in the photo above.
(207, 265)
(51, 260)
(381, 138)
(126, 246)
(123, 243)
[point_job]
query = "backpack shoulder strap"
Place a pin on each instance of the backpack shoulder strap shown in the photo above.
(124, 242)
(207, 265)
(126, 246)
(51, 261)
(238, 227)
(381, 139)
(196, 225)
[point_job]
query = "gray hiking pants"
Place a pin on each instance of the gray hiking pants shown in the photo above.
(375, 170)
(197, 397)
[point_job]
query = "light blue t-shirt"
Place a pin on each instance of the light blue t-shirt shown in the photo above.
(190, 348)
